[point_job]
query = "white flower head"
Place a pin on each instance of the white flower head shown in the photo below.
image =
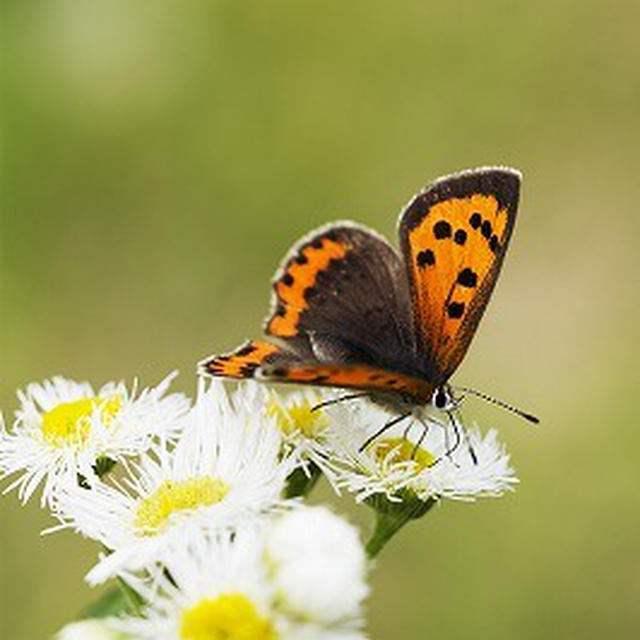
(219, 587)
(225, 470)
(64, 428)
(90, 629)
(429, 458)
(304, 425)
(318, 566)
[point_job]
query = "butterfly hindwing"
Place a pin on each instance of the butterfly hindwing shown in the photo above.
(453, 237)
(267, 361)
(241, 363)
(343, 288)
(347, 376)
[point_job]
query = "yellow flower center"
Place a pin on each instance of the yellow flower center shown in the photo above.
(404, 451)
(230, 616)
(171, 496)
(297, 416)
(69, 423)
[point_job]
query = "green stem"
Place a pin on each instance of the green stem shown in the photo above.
(300, 483)
(391, 517)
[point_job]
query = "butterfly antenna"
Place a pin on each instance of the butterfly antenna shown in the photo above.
(499, 403)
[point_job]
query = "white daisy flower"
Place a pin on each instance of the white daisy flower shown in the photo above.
(318, 566)
(225, 469)
(90, 629)
(444, 461)
(305, 426)
(218, 587)
(64, 429)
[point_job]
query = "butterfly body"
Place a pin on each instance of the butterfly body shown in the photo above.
(349, 311)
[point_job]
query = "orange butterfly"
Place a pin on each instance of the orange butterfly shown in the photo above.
(349, 312)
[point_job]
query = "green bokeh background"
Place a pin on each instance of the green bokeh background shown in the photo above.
(159, 159)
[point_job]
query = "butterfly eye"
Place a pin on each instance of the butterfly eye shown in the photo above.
(443, 400)
(440, 399)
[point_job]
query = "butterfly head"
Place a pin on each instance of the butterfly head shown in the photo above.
(443, 399)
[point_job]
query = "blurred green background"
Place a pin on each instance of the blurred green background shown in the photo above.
(160, 158)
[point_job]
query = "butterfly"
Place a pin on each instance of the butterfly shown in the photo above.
(349, 311)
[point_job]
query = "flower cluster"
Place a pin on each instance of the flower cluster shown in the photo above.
(64, 429)
(198, 507)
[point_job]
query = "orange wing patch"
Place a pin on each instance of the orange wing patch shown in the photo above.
(242, 363)
(454, 248)
(361, 377)
(452, 251)
(297, 279)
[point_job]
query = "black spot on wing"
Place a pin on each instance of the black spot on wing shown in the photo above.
(442, 230)
(468, 278)
(426, 258)
(475, 220)
(248, 370)
(243, 351)
(455, 309)
(460, 236)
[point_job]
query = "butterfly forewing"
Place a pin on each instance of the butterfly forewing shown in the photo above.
(344, 290)
(453, 237)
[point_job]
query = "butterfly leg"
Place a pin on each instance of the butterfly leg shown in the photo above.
(423, 435)
(405, 433)
(456, 431)
(385, 427)
(465, 433)
(448, 450)
(328, 403)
